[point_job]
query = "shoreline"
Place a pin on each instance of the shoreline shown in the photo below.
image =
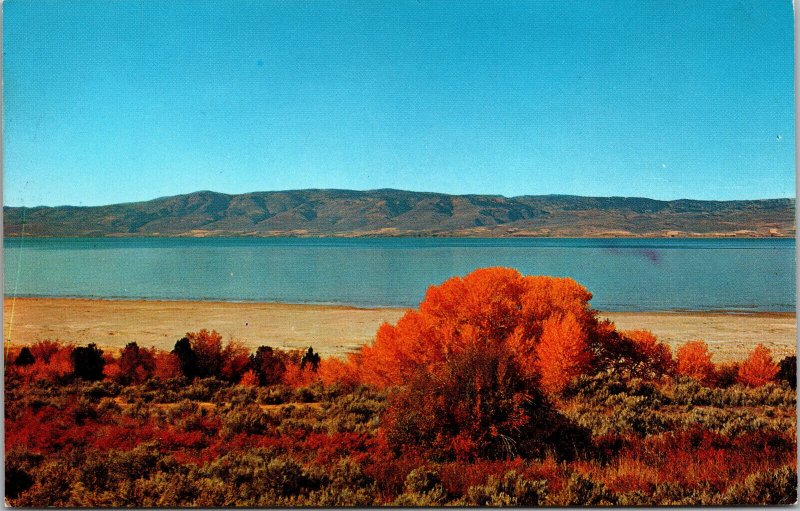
(352, 306)
(476, 233)
(336, 329)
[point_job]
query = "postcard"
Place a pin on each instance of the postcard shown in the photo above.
(413, 253)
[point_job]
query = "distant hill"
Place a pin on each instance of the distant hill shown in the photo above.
(402, 213)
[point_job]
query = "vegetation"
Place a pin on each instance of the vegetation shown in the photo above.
(500, 390)
(403, 213)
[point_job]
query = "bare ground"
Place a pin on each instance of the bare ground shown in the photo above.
(335, 330)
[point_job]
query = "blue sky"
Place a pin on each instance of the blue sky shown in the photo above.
(116, 101)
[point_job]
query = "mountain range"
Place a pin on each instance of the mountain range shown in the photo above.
(388, 212)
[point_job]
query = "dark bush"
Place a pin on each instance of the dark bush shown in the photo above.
(310, 359)
(187, 357)
(787, 371)
(727, 375)
(88, 362)
(478, 405)
(19, 465)
(25, 357)
(269, 365)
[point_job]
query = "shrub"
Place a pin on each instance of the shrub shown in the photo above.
(235, 361)
(310, 359)
(584, 491)
(296, 375)
(423, 488)
(563, 352)
(334, 371)
(269, 365)
(207, 347)
(43, 350)
(88, 362)
(25, 357)
(512, 490)
(488, 306)
(726, 375)
(53, 361)
(348, 486)
(202, 389)
(18, 475)
(249, 379)
(788, 371)
(249, 419)
(775, 487)
(135, 364)
(436, 498)
(694, 361)
(650, 359)
(759, 368)
(167, 365)
(187, 358)
(479, 404)
(421, 480)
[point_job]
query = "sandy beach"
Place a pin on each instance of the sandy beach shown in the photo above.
(335, 330)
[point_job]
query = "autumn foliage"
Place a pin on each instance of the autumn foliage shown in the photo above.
(563, 352)
(759, 368)
(694, 360)
(654, 357)
(135, 365)
(492, 306)
(501, 389)
(471, 431)
(50, 361)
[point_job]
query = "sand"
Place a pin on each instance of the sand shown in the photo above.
(334, 330)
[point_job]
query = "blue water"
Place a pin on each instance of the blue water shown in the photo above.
(623, 274)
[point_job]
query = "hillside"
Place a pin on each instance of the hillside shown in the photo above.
(402, 213)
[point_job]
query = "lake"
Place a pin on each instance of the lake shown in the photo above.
(623, 274)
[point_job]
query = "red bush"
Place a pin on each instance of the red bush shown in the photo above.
(53, 361)
(249, 379)
(235, 361)
(207, 347)
(491, 305)
(335, 370)
(694, 361)
(563, 352)
(167, 365)
(296, 376)
(479, 404)
(135, 364)
(759, 368)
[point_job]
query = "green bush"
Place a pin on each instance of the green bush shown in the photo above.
(512, 490)
(775, 487)
(676, 494)
(347, 486)
(583, 491)
(246, 419)
(202, 389)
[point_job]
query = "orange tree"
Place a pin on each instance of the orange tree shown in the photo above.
(472, 361)
(478, 404)
(490, 306)
(759, 368)
(694, 360)
(472, 365)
